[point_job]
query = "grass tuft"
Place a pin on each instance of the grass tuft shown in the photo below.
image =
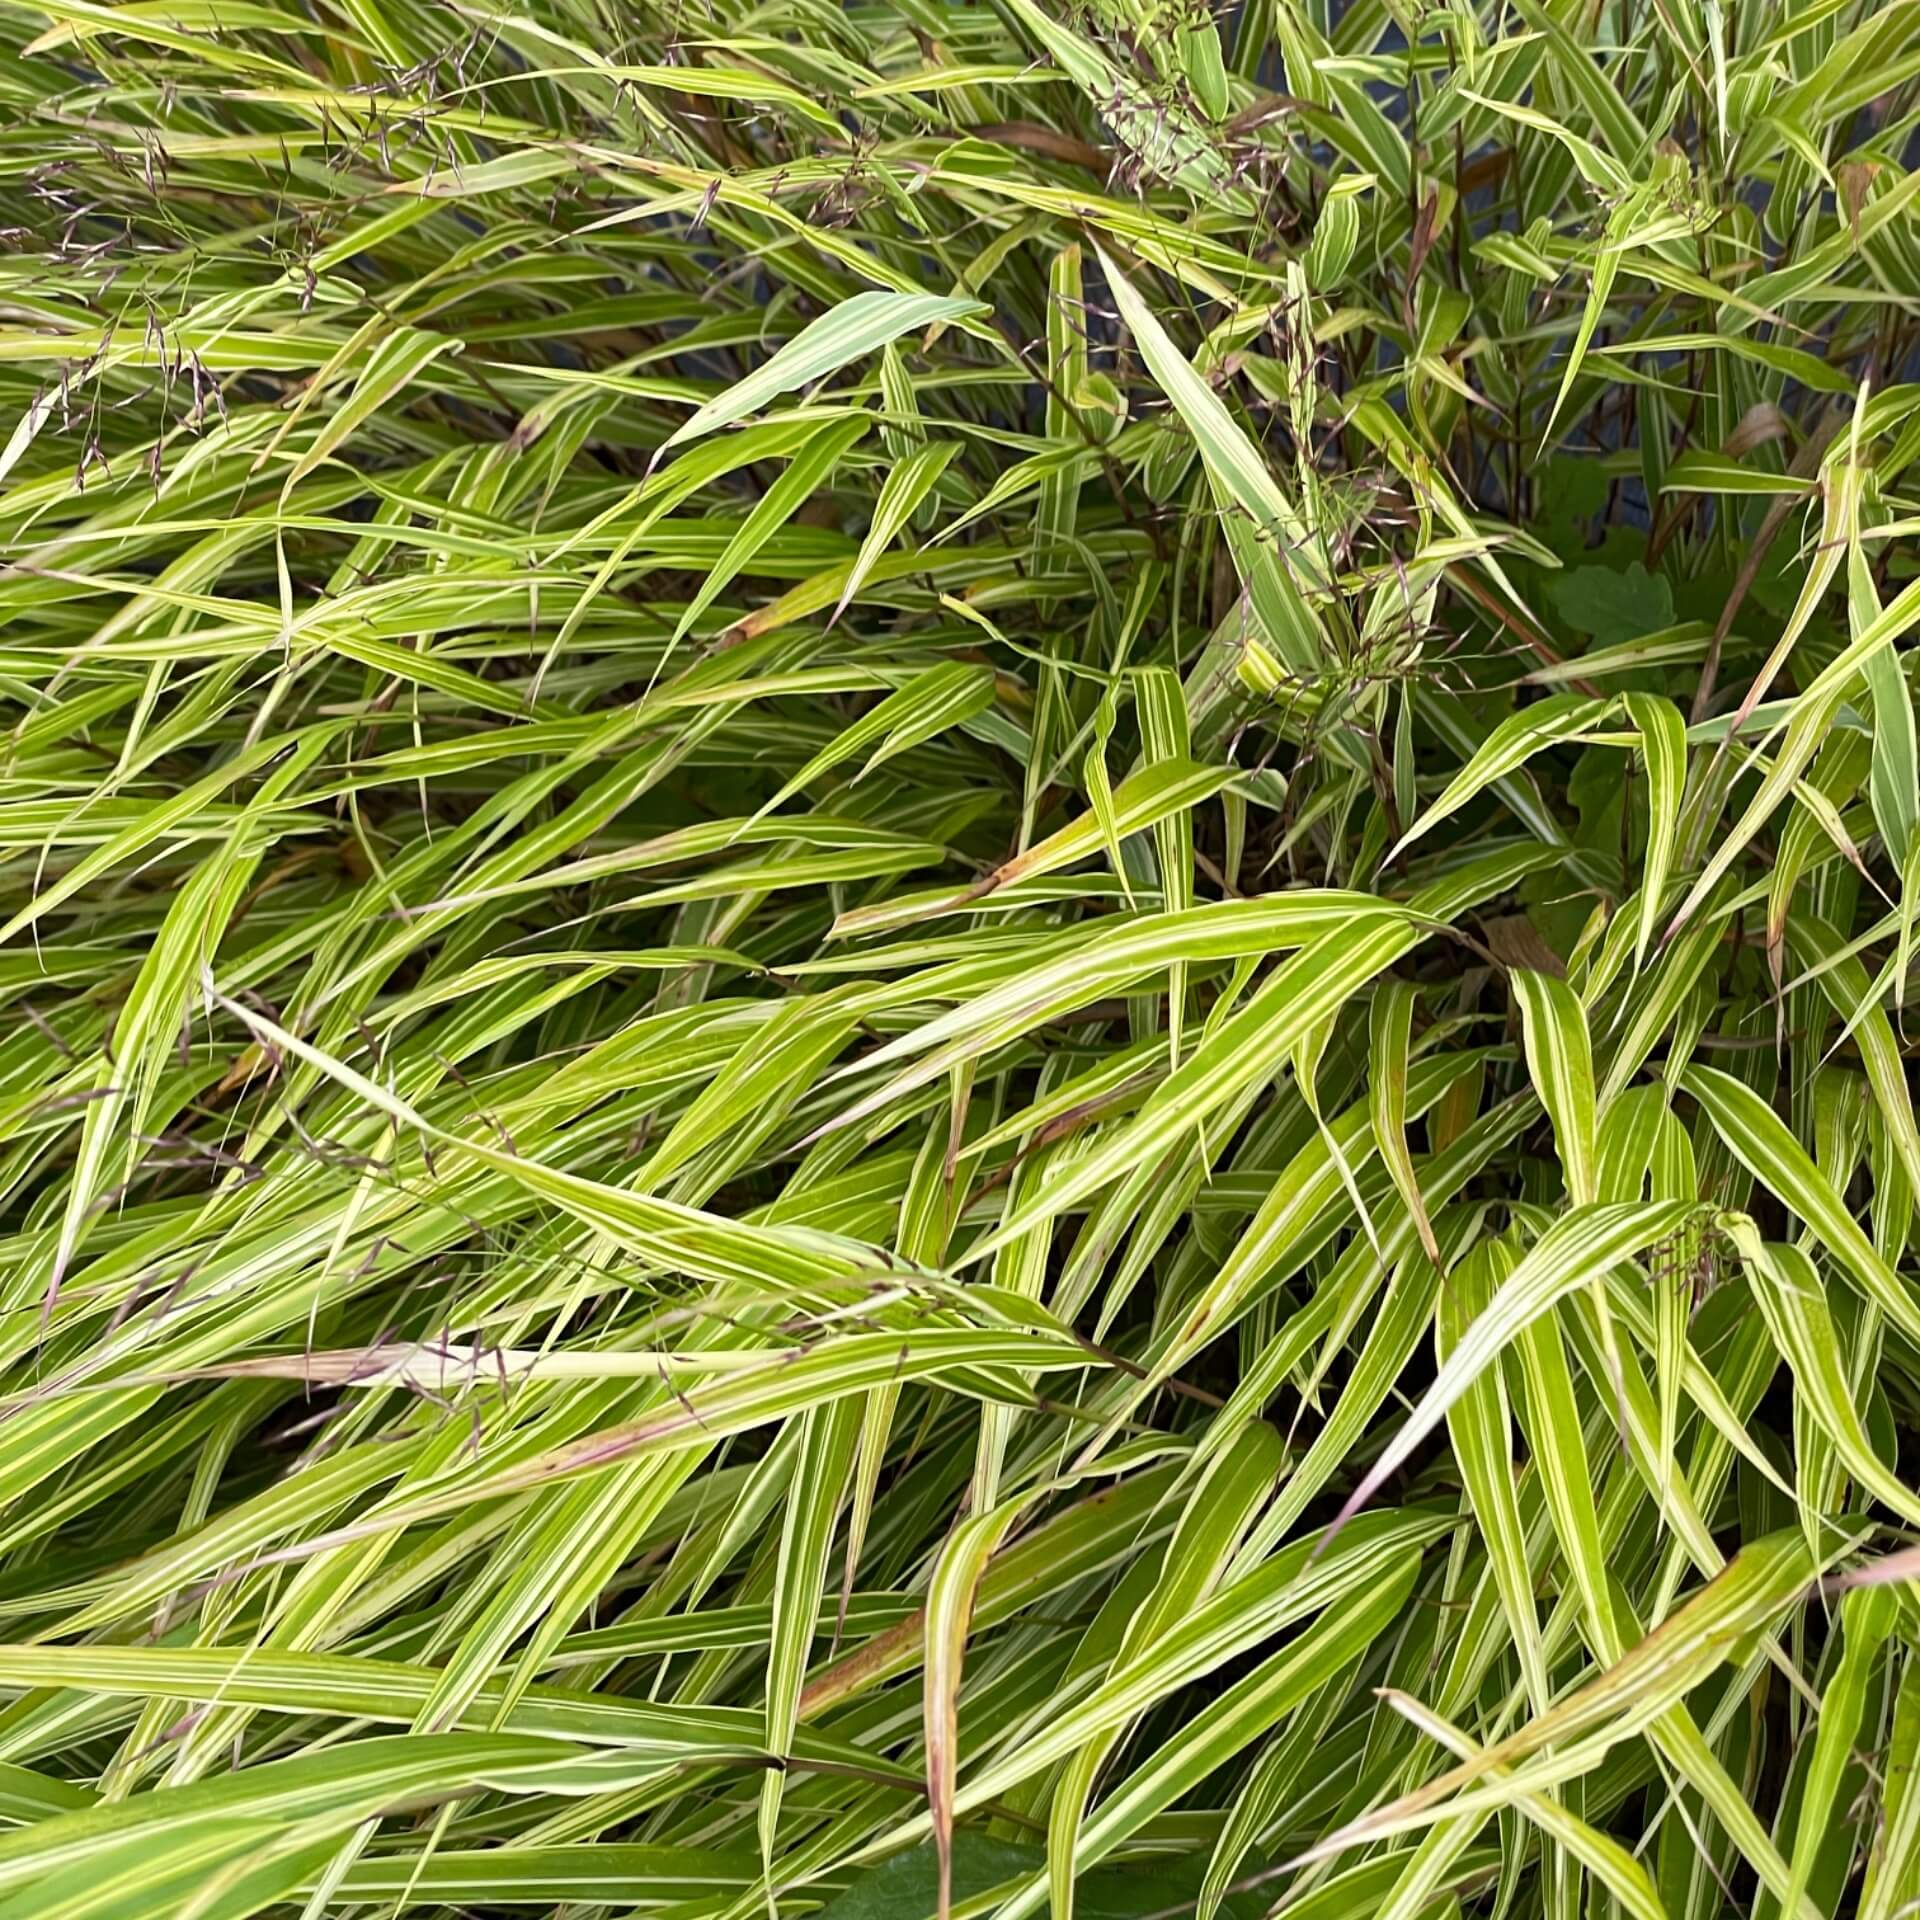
(956, 960)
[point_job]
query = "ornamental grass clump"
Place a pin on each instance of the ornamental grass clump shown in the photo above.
(958, 960)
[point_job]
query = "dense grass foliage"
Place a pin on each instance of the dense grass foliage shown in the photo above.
(957, 957)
